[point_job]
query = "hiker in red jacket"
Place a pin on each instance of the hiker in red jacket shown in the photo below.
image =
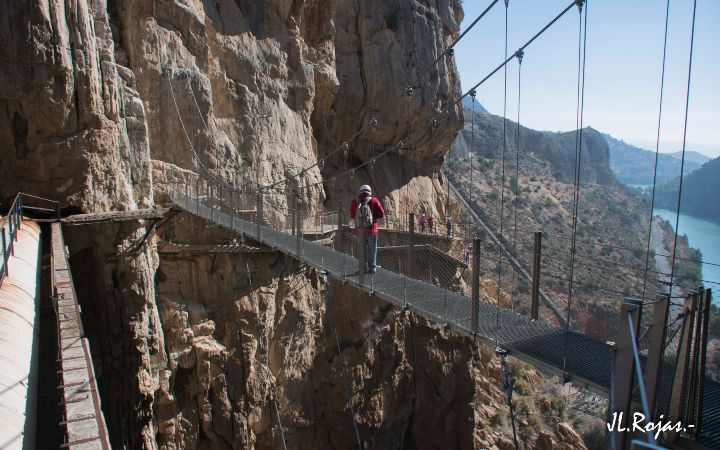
(365, 212)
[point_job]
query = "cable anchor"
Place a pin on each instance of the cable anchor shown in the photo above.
(408, 90)
(345, 149)
(373, 124)
(321, 164)
(450, 52)
(473, 93)
(433, 124)
(580, 4)
(519, 55)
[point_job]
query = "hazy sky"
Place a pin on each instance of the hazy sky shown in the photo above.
(624, 61)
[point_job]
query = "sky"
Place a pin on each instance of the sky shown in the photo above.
(623, 68)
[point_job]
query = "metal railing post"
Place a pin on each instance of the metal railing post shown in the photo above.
(692, 385)
(411, 244)
(297, 224)
(624, 366)
(475, 310)
(197, 196)
(339, 218)
(535, 291)
(232, 210)
(19, 213)
(4, 256)
(656, 342)
(211, 201)
(259, 214)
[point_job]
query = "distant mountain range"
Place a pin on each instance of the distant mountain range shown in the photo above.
(701, 192)
(634, 165)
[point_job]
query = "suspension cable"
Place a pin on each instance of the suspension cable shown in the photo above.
(348, 393)
(502, 182)
(582, 45)
(684, 142)
(657, 147)
(516, 186)
(449, 50)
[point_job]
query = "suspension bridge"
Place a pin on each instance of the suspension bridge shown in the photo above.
(447, 292)
(438, 292)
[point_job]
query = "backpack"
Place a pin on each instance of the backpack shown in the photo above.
(363, 215)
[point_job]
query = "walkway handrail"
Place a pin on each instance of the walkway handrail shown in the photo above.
(9, 229)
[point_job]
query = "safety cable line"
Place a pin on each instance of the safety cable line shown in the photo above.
(684, 142)
(448, 50)
(348, 393)
(522, 49)
(657, 145)
(582, 45)
(502, 182)
(187, 136)
(273, 388)
(452, 104)
(202, 119)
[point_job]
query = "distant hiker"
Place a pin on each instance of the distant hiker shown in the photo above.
(431, 224)
(365, 211)
(423, 223)
(467, 253)
(449, 226)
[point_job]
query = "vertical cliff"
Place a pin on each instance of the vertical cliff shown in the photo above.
(102, 103)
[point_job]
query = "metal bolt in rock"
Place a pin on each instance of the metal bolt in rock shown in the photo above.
(373, 123)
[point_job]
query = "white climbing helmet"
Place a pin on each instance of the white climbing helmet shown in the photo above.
(365, 189)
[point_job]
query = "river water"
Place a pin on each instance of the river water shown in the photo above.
(705, 236)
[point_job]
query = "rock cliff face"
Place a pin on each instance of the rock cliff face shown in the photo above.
(102, 103)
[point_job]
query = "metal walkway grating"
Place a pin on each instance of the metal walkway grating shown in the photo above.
(587, 362)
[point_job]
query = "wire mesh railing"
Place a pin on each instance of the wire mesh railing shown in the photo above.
(12, 222)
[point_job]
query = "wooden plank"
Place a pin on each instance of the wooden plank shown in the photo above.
(115, 216)
(171, 247)
(656, 339)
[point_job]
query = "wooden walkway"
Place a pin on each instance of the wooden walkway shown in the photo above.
(84, 422)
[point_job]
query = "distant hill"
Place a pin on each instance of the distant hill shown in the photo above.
(701, 192)
(467, 103)
(691, 155)
(634, 165)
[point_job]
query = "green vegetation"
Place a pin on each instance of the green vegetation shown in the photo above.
(700, 192)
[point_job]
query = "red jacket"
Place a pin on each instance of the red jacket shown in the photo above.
(377, 211)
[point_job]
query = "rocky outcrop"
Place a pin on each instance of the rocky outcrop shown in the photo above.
(72, 124)
(556, 149)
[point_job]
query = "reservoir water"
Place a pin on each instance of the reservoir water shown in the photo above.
(705, 236)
